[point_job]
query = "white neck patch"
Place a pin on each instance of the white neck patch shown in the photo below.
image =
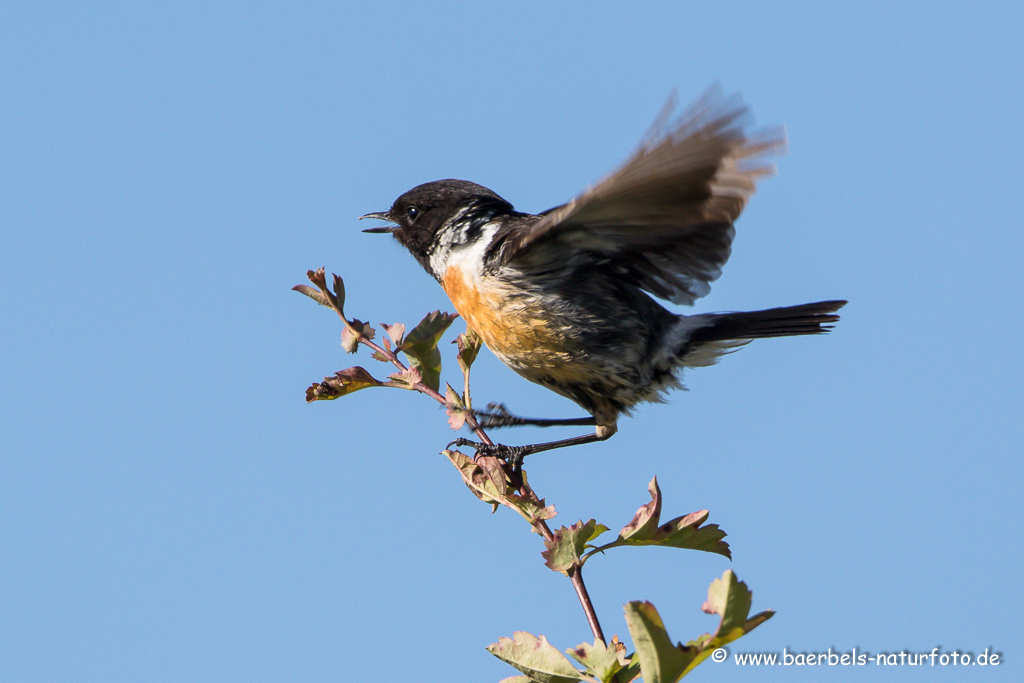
(455, 248)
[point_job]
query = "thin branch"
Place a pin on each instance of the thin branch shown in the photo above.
(575, 575)
(424, 389)
(319, 278)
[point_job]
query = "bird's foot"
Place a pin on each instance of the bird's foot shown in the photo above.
(513, 455)
(497, 415)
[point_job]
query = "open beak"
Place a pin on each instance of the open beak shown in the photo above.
(381, 216)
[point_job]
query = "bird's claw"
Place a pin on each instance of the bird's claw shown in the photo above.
(513, 455)
(496, 416)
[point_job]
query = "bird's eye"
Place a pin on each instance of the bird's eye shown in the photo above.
(412, 213)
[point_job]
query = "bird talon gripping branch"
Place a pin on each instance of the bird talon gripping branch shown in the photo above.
(497, 416)
(513, 455)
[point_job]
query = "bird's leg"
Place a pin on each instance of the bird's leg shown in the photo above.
(497, 415)
(514, 455)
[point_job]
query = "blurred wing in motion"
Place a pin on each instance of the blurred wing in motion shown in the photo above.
(664, 220)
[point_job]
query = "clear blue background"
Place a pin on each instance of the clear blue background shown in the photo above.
(171, 509)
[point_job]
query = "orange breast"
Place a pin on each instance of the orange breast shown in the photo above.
(520, 335)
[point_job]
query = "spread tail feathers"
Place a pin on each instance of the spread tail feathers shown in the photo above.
(717, 333)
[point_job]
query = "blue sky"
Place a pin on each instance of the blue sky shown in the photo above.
(171, 509)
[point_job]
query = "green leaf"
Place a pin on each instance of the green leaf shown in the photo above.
(630, 672)
(564, 549)
(342, 383)
(536, 658)
(682, 532)
(420, 346)
(687, 532)
(660, 660)
(731, 599)
(600, 660)
(428, 331)
(532, 511)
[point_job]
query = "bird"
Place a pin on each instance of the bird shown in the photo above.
(567, 298)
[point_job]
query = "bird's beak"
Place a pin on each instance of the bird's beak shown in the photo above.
(380, 216)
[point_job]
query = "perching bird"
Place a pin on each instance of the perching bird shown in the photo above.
(564, 297)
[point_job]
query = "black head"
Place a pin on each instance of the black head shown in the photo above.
(419, 213)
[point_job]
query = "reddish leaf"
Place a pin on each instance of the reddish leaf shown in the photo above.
(469, 344)
(395, 332)
(342, 383)
(681, 532)
(455, 408)
(645, 521)
(313, 294)
(353, 332)
(406, 379)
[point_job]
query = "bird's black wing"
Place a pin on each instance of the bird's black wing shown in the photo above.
(663, 221)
